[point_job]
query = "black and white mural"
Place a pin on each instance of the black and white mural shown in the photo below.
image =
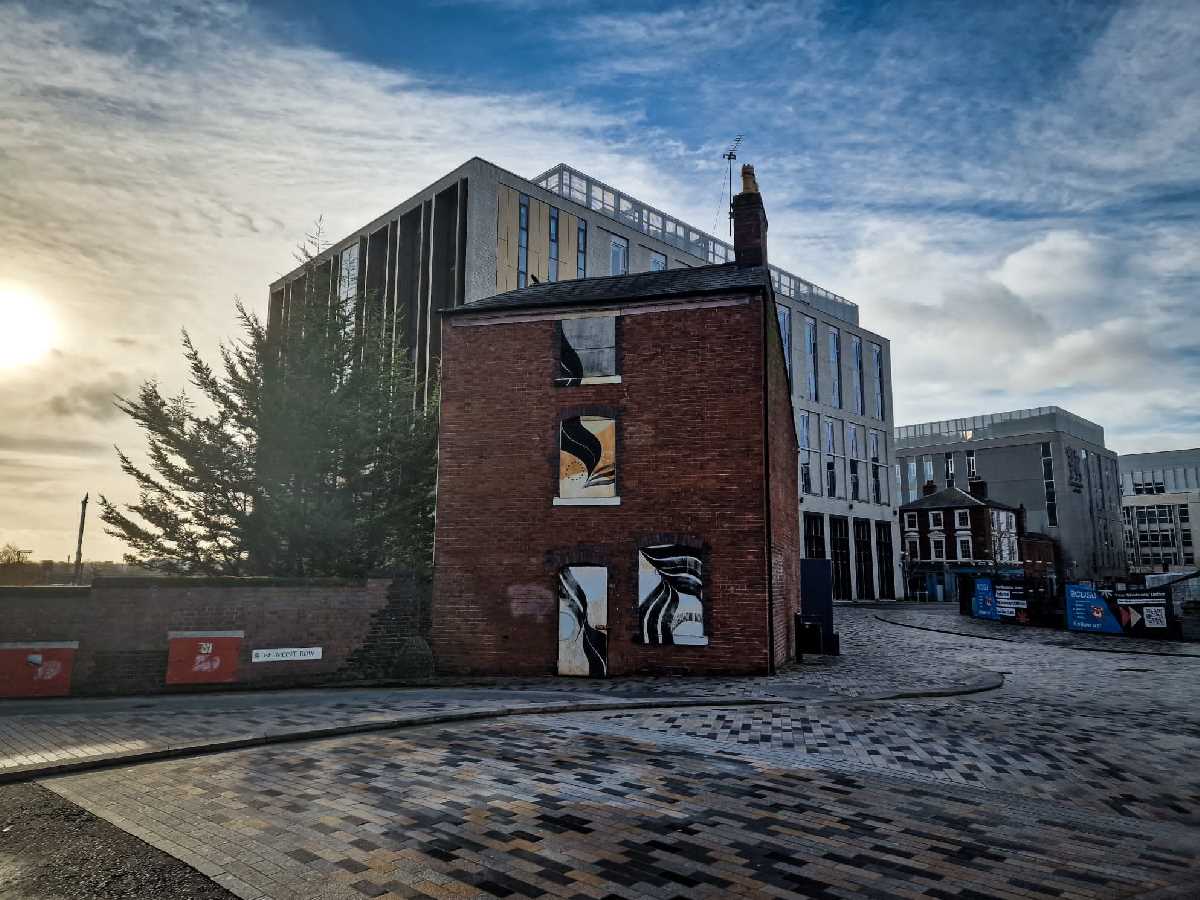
(583, 621)
(670, 596)
(587, 350)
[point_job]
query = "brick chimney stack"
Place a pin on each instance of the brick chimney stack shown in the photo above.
(977, 488)
(929, 488)
(749, 223)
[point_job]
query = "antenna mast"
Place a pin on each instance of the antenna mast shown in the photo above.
(729, 156)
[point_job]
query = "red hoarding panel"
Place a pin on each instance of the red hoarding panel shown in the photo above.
(36, 669)
(196, 657)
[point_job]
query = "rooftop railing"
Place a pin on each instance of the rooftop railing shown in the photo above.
(966, 427)
(596, 195)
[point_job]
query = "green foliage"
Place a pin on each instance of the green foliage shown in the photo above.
(318, 457)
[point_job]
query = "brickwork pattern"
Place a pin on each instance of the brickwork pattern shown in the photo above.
(122, 625)
(690, 461)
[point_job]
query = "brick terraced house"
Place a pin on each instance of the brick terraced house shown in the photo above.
(618, 474)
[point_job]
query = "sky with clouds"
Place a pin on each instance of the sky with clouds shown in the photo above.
(1009, 191)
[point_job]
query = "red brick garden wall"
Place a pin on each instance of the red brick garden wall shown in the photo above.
(689, 461)
(122, 624)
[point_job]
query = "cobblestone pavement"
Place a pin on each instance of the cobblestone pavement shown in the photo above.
(38, 735)
(1076, 779)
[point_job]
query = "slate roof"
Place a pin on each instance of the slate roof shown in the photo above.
(952, 498)
(682, 282)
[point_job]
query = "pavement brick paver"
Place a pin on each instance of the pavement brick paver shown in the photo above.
(1077, 779)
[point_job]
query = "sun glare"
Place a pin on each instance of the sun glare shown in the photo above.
(27, 330)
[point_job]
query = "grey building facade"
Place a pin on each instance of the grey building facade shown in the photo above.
(1160, 501)
(1045, 459)
(482, 230)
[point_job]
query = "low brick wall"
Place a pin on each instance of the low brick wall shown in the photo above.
(126, 628)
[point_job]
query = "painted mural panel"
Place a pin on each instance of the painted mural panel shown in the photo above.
(583, 621)
(586, 350)
(587, 449)
(670, 596)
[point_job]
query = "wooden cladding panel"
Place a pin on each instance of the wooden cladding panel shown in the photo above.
(568, 246)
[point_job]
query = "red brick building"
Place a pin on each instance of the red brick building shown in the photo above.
(617, 475)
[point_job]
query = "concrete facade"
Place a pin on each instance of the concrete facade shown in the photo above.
(1160, 501)
(1049, 461)
(456, 242)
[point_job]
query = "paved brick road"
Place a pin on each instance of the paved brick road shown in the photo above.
(1077, 779)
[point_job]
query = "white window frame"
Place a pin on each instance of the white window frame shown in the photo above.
(910, 521)
(933, 553)
(936, 519)
(913, 544)
(970, 550)
(962, 518)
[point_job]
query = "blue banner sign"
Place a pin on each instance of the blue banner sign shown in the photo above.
(983, 601)
(1088, 611)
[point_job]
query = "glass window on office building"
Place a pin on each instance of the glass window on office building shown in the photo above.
(949, 470)
(912, 480)
(523, 244)
(658, 262)
(810, 358)
(855, 461)
(971, 471)
(553, 261)
(879, 477)
(581, 253)
(927, 465)
(348, 273)
(1048, 480)
(856, 371)
(618, 254)
(835, 462)
(809, 460)
(784, 313)
(880, 410)
(835, 367)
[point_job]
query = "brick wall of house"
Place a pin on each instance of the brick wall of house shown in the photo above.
(122, 624)
(784, 486)
(689, 469)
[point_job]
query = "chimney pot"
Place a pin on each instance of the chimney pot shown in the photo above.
(929, 487)
(977, 488)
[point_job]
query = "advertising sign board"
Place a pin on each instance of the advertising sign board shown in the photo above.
(983, 601)
(1139, 612)
(36, 668)
(203, 657)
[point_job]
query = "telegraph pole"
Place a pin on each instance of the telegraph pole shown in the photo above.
(79, 543)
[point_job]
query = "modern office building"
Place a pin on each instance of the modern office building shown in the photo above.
(1160, 499)
(1047, 461)
(481, 230)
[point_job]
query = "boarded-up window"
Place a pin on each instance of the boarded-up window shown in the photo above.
(587, 452)
(670, 596)
(586, 350)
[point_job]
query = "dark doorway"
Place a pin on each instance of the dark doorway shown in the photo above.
(839, 552)
(887, 564)
(814, 535)
(864, 564)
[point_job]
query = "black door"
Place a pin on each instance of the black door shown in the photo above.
(839, 552)
(864, 564)
(887, 565)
